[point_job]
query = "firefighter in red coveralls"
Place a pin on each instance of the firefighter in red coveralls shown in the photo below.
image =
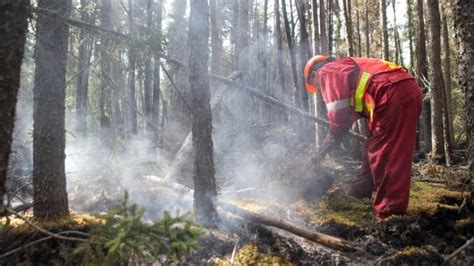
(391, 100)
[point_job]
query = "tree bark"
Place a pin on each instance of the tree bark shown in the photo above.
(383, 27)
(279, 45)
(155, 115)
(291, 48)
(324, 27)
(203, 172)
(464, 31)
(82, 82)
(422, 75)
(447, 72)
(242, 52)
(131, 78)
(13, 26)
(148, 80)
(49, 179)
(411, 32)
(316, 34)
(216, 40)
(105, 111)
(348, 21)
(367, 30)
(436, 80)
(398, 48)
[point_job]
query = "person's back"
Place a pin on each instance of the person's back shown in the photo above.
(390, 98)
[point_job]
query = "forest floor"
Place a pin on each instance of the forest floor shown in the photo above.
(439, 219)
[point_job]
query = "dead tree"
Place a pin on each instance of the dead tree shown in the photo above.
(13, 26)
(49, 180)
(203, 170)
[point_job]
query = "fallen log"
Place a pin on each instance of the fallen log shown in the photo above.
(186, 193)
(320, 238)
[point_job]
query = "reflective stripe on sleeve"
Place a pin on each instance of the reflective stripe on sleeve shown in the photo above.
(360, 91)
(338, 104)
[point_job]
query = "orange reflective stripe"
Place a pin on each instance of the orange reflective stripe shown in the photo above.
(359, 94)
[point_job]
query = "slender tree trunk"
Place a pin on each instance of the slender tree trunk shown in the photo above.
(383, 27)
(464, 31)
(155, 115)
(203, 174)
(398, 49)
(82, 81)
(316, 34)
(411, 33)
(330, 25)
(279, 45)
(422, 74)
(291, 49)
(436, 80)
(131, 78)
(367, 30)
(359, 38)
(49, 179)
(324, 27)
(447, 72)
(105, 111)
(243, 40)
(305, 55)
(348, 21)
(216, 40)
(148, 80)
(13, 26)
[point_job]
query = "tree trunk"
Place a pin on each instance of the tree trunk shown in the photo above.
(436, 80)
(279, 45)
(398, 48)
(383, 27)
(348, 20)
(411, 33)
(49, 180)
(422, 74)
(203, 173)
(104, 99)
(447, 72)
(367, 30)
(82, 81)
(464, 31)
(13, 26)
(131, 78)
(148, 80)
(359, 38)
(289, 38)
(324, 27)
(330, 12)
(155, 116)
(242, 52)
(316, 35)
(216, 40)
(308, 130)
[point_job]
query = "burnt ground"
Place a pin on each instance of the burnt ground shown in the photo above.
(439, 219)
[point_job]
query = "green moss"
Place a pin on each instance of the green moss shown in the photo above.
(425, 198)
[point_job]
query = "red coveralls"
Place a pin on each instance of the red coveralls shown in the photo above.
(363, 84)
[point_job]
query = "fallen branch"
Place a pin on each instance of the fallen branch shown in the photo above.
(324, 239)
(58, 236)
(35, 242)
(185, 194)
(457, 251)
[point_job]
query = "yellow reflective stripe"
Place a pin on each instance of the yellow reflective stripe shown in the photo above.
(391, 65)
(360, 91)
